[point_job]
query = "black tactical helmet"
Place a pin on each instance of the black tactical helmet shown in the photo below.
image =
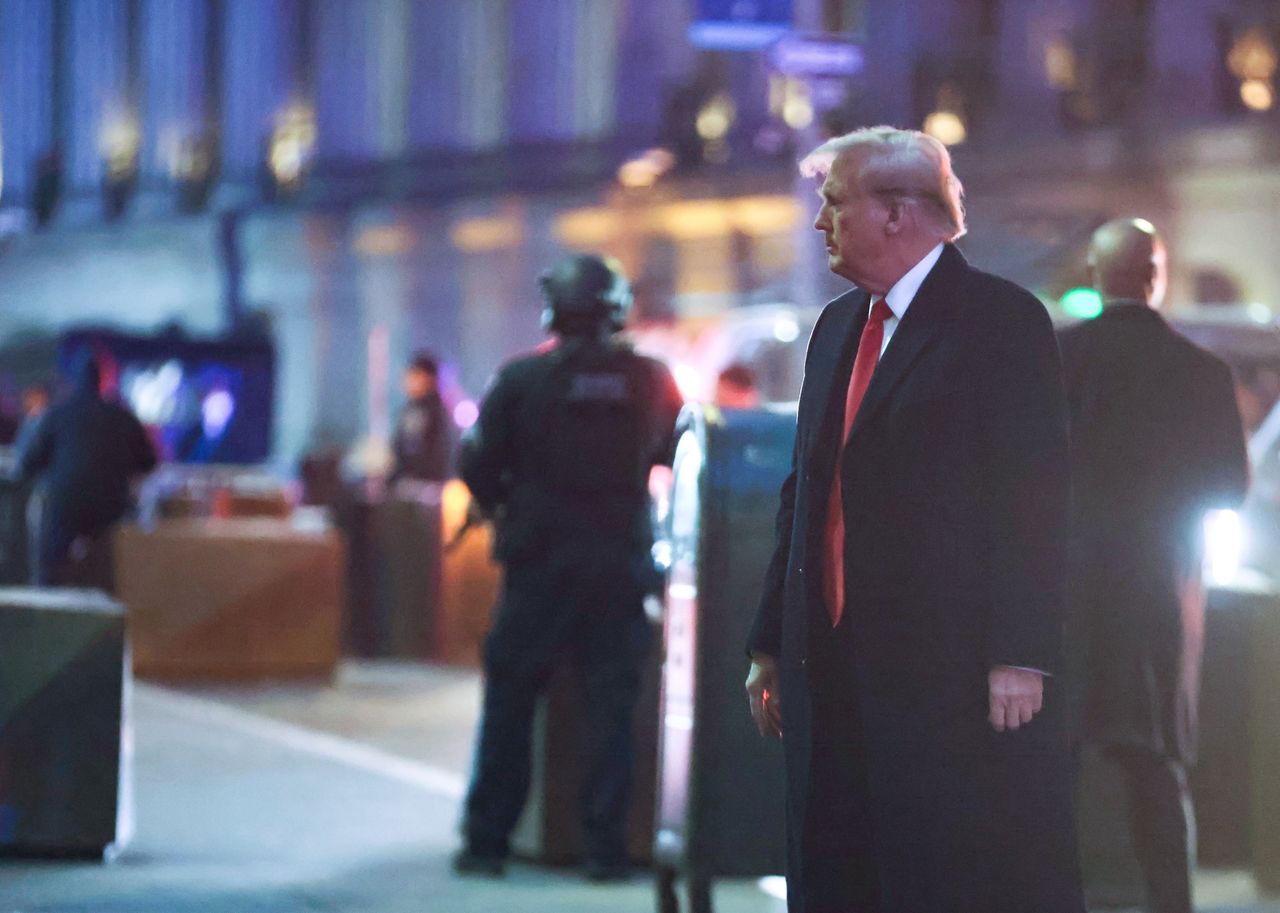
(586, 295)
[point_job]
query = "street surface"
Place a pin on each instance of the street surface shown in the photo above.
(337, 798)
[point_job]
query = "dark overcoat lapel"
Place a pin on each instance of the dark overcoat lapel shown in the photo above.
(919, 327)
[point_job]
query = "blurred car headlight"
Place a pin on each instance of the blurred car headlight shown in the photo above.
(1224, 537)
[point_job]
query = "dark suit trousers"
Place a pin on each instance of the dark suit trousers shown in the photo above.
(839, 861)
(1162, 822)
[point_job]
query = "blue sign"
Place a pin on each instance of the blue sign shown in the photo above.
(796, 55)
(739, 25)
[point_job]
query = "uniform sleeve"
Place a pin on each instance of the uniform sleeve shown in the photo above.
(485, 452)
(1025, 478)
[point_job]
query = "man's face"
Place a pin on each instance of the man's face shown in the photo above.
(852, 222)
(418, 383)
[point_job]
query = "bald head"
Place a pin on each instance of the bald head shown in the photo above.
(1127, 260)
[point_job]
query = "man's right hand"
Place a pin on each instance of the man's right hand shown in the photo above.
(762, 692)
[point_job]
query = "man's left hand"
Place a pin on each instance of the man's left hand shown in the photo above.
(1016, 696)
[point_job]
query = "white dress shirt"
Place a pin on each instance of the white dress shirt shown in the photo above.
(903, 291)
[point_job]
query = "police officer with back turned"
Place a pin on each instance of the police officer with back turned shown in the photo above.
(560, 459)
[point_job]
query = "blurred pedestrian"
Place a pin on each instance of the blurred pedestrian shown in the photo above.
(913, 606)
(86, 452)
(423, 437)
(560, 458)
(1156, 441)
(736, 388)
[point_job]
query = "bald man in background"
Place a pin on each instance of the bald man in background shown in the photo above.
(1156, 441)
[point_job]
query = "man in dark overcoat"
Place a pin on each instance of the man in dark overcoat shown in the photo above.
(907, 645)
(1156, 441)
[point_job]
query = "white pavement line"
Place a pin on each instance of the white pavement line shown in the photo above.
(355, 754)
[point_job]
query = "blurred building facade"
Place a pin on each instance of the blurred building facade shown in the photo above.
(400, 170)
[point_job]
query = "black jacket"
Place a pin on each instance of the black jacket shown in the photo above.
(423, 441)
(561, 453)
(1156, 441)
(955, 501)
(87, 451)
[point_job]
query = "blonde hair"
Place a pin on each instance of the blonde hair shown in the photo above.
(899, 164)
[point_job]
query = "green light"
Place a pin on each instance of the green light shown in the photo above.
(1084, 303)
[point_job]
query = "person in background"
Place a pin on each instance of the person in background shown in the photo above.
(1156, 441)
(736, 388)
(560, 458)
(423, 440)
(85, 453)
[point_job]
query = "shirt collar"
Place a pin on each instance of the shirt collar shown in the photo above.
(904, 290)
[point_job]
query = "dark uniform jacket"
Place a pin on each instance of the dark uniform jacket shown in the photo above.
(1156, 440)
(561, 453)
(955, 500)
(422, 442)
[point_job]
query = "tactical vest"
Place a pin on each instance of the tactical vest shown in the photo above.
(591, 432)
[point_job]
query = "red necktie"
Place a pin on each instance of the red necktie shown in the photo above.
(864, 365)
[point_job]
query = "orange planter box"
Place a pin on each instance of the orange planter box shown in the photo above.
(231, 599)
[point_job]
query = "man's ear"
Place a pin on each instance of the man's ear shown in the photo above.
(897, 217)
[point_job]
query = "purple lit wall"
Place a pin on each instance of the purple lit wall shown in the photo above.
(96, 79)
(26, 105)
(175, 38)
(260, 72)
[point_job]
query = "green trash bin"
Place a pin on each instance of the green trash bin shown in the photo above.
(721, 794)
(64, 769)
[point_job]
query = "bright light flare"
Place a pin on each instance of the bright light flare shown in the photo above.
(216, 412)
(1224, 541)
(946, 127)
(466, 414)
(716, 117)
(1060, 65)
(154, 393)
(292, 144)
(688, 380)
(1257, 94)
(645, 169)
(773, 885)
(786, 329)
(1081, 303)
(1253, 57)
(119, 143)
(796, 105)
